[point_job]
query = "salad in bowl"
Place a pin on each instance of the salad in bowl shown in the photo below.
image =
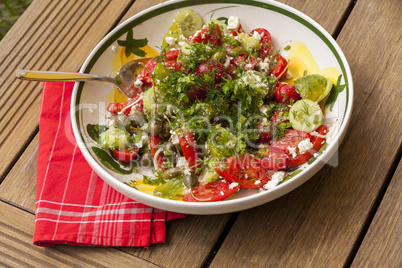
(213, 114)
(226, 114)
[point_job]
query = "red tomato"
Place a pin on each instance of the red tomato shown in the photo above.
(154, 144)
(298, 160)
(272, 158)
(303, 158)
(146, 74)
(172, 55)
(231, 69)
(208, 35)
(280, 66)
(246, 63)
(214, 191)
(127, 154)
(196, 93)
(266, 41)
(265, 131)
(279, 117)
(285, 92)
(318, 141)
(115, 108)
(235, 32)
(291, 139)
(188, 146)
(211, 67)
(245, 170)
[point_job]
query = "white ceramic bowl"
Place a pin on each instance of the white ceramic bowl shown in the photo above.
(285, 25)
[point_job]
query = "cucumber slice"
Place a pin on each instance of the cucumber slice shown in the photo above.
(114, 138)
(306, 115)
(313, 87)
(189, 22)
(220, 23)
(149, 98)
(249, 42)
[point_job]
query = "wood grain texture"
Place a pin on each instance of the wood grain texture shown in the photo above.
(50, 35)
(318, 224)
(382, 246)
(17, 250)
(19, 187)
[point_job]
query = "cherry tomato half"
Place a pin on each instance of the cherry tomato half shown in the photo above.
(126, 155)
(280, 66)
(286, 92)
(266, 41)
(235, 32)
(319, 141)
(272, 158)
(115, 108)
(208, 35)
(300, 159)
(211, 67)
(188, 146)
(245, 170)
(291, 139)
(214, 191)
(246, 62)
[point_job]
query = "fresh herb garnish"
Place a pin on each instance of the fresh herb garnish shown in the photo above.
(336, 89)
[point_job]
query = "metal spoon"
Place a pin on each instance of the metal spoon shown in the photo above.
(124, 78)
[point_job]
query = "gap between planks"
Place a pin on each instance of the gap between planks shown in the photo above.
(375, 208)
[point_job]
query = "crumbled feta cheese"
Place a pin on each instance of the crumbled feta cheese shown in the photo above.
(170, 40)
(175, 139)
(138, 83)
(182, 163)
(292, 151)
(227, 62)
(248, 66)
(304, 146)
(258, 36)
(263, 66)
(233, 185)
(182, 43)
(257, 182)
(315, 133)
(233, 23)
(276, 178)
(237, 38)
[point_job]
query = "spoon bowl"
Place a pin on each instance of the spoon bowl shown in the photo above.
(124, 79)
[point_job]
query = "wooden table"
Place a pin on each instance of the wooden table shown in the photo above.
(348, 215)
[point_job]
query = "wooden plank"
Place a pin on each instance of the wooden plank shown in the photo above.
(382, 245)
(318, 224)
(19, 187)
(197, 233)
(50, 35)
(190, 232)
(17, 250)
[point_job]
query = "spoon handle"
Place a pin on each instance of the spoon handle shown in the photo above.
(59, 76)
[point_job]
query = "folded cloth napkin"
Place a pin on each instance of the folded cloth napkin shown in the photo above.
(74, 206)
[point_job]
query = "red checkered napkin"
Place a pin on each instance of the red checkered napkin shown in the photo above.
(74, 206)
